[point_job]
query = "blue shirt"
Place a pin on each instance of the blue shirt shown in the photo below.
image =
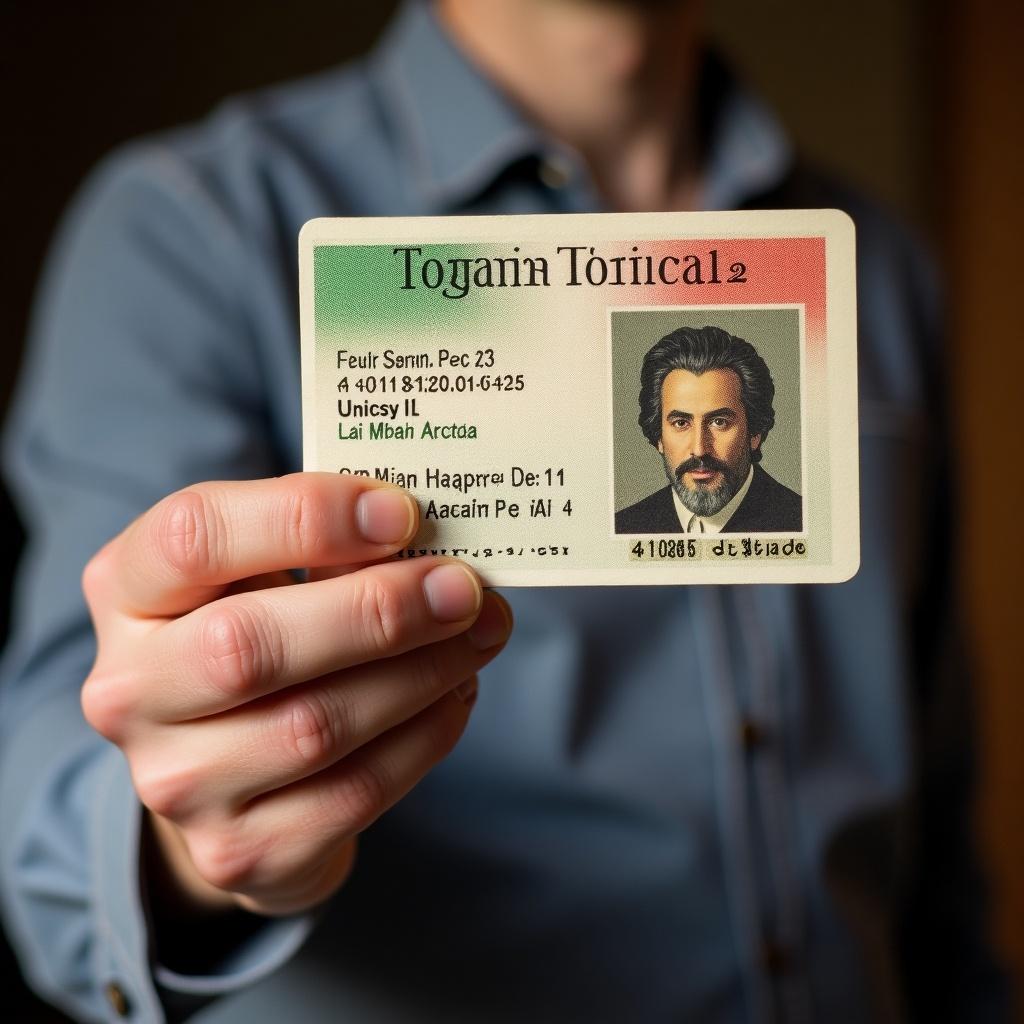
(714, 804)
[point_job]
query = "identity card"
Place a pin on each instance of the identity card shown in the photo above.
(597, 398)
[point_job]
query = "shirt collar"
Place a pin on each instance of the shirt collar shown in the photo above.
(459, 132)
(746, 152)
(457, 129)
(712, 524)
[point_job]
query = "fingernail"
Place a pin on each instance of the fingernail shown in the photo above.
(384, 516)
(452, 592)
(492, 626)
(466, 692)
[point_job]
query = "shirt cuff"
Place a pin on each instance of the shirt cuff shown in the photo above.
(123, 923)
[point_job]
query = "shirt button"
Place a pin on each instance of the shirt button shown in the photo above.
(555, 172)
(752, 735)
(117, 999)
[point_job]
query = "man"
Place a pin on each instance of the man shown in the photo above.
(685, 804)
(706, 405)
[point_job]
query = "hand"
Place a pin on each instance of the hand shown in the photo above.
(268, 722)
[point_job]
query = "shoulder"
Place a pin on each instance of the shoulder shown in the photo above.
(257, 166)
(769, 488)
(212, 209)
(328, 125)
(654, 514)
(769, 507)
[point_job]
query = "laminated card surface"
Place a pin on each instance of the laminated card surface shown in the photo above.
(598, 398)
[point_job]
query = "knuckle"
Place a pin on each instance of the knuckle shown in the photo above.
(306, 521)
(361, 797)
(311, 728)
(378, 612)
(170, 792)
(106, 704)
(97, 576)
(430, 671)
(239, 650)
(186, 534)
(225, 858)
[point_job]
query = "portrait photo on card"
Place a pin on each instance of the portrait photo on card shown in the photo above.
(707, 420)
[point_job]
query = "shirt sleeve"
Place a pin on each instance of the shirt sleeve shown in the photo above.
(141, 378)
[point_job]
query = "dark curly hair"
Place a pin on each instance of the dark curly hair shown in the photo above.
(699, 349)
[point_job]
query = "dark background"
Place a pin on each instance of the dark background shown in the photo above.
(914, 100)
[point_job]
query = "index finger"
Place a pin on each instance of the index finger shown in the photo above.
(188, 548)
